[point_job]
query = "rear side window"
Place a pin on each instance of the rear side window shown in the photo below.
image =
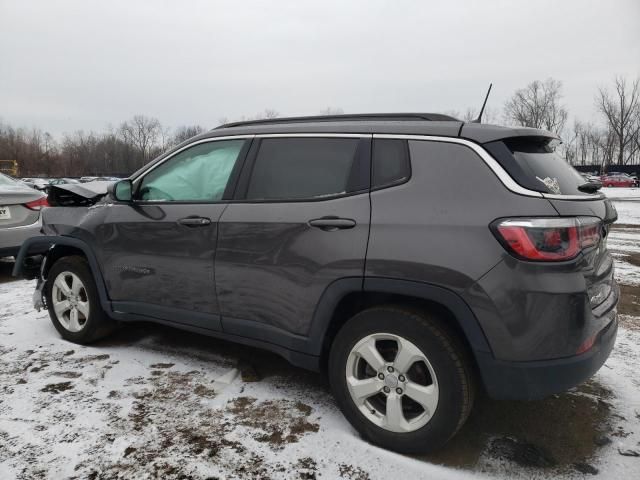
(302, 168)
(533, 163)
(391, 164)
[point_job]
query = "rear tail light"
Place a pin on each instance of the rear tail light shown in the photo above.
(37, 204)
(548, 239)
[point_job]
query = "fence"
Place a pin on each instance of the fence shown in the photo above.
(630, 169)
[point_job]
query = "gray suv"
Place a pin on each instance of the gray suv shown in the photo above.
(413, 258)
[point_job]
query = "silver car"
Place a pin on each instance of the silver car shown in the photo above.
(20, 208)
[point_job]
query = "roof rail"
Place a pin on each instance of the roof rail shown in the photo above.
(433, 117)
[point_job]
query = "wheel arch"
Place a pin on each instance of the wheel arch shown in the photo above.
(344, 298)
(59, 247)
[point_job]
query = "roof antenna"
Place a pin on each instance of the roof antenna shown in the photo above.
(479, 119)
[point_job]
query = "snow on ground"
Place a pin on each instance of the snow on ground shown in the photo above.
(616, 193)
(152, 402)
(628, 211)
(626, 203)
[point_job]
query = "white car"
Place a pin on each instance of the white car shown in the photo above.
(20, 207)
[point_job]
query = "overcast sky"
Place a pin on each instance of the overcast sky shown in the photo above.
(67, 65)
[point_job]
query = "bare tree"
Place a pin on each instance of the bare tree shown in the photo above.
(538, 106)
(332, 111)
(490, 115)
(270, 113)
(621, 112)
(143, 133)
(185, 132)
(267, 113)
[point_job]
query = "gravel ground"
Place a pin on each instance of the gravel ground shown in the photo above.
(153, 402)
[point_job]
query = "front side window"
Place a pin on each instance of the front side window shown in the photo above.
(197, 174)
(302, 168)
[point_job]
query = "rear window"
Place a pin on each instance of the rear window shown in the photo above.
(534, 164)
(302, 168)
(4, 180)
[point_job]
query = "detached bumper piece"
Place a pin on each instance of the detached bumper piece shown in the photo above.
(30, 257)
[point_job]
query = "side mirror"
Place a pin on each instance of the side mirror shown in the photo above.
(122, 190)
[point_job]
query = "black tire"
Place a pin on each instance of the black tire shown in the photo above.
(98, 324)
(447, 357)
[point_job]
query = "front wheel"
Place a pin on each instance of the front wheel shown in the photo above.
(73, 303)
(401, 379)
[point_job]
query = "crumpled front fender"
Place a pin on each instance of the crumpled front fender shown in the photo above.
(47, 244)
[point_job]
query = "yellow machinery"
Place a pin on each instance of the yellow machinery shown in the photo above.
(10, 167)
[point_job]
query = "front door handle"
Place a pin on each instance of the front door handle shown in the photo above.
(330, 224)
(195, 221)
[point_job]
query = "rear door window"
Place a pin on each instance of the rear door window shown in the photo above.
(534, 164)
(303, 168)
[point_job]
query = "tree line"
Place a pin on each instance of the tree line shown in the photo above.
(116, 151)
(611, 137)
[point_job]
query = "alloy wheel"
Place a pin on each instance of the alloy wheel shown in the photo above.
(70, 301)
(391, 382)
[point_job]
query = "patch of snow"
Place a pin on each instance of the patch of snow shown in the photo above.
(147, 408)
(618, 192)
(628, 212)
(626, 272)
(624, 240)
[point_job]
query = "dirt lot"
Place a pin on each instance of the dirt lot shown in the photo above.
(153, 402)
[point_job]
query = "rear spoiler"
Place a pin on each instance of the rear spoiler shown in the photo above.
(483, 133)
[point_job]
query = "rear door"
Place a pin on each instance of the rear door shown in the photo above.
(299, 222)
(158, 251)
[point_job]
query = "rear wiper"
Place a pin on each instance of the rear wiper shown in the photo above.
(590, 187)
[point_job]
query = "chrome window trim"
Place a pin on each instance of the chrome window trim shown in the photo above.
(495, 167)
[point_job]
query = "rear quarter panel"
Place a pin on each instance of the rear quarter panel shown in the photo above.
(435, 227)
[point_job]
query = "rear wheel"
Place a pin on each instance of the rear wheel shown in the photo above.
(73, 302)
(401, 379)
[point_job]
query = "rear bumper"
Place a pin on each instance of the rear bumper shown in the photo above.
(12, 238)
(505, 380)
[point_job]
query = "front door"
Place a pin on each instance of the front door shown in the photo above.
(158, 251)
(301, 222)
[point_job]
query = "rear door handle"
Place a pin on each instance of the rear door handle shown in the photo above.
(331, 224)
(195, 221)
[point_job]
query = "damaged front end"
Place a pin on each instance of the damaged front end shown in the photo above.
(66, 225)
(78, 195)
